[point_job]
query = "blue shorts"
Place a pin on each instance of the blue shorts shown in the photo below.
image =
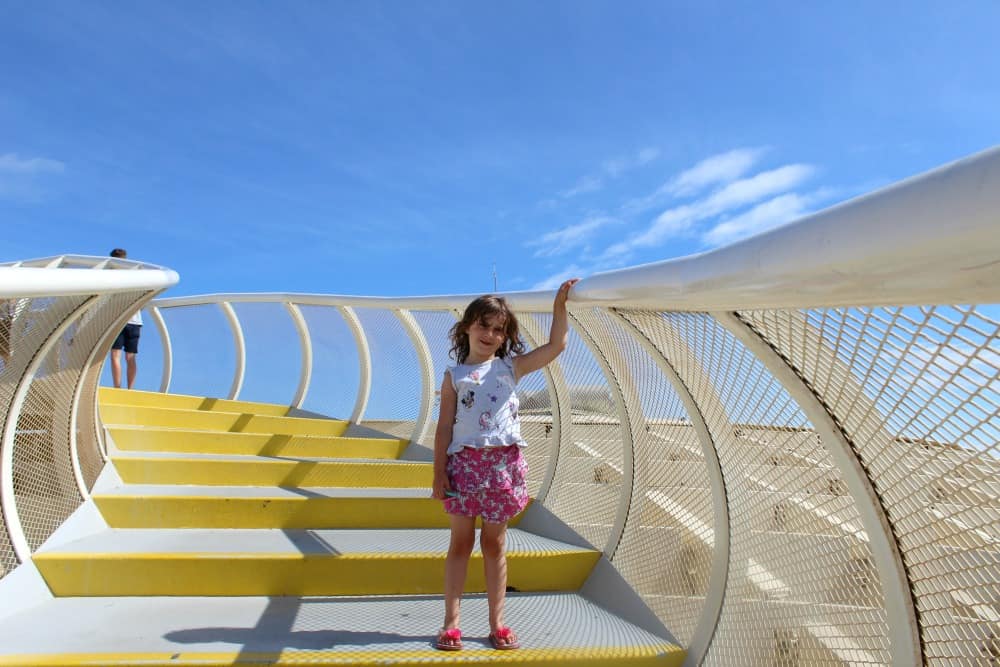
(128, 339)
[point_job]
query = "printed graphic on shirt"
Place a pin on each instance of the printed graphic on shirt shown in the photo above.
(469, 399)
(487, 406)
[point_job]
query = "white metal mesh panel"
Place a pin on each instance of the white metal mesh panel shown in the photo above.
(396, 388)
(333, 388)
(273, 353)
(203, 353)
(587, 484)
(44, 484)
(917, 392)
(435, 327)
(535, 413)
(14, 357)
(30, 324)
(802, 587)
(91, 331)
(666, 550)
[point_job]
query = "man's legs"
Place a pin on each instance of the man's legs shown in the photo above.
(116, 367)
(130, 368)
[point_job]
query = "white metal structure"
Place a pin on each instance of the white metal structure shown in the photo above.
(788, 447)
(58, 319)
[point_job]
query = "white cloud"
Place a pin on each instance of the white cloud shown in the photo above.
(11, 163)
(772, 213)
(721, 168)
(562, 240)
(755, 188)
(682, 219)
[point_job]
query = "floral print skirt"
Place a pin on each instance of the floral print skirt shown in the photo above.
(490, 483)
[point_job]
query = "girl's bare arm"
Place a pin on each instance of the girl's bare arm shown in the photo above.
(442, 437)
(558, 335)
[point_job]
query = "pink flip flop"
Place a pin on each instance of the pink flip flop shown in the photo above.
(504, 639)
(449, 640)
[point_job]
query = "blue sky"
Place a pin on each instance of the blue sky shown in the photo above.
(403, 148)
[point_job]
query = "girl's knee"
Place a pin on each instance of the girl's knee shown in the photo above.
(461, 545)
(492, 545)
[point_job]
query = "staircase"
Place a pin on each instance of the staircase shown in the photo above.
(230, 532)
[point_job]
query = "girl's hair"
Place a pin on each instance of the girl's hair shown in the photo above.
(485, 306)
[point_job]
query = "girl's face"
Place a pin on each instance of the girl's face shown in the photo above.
(485, 337)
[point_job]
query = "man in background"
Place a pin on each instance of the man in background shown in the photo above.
(127, 340)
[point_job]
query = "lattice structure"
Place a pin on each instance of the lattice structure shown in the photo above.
(916, 392)
(659, 436)
(396, 386)
(788, 460)
(51, 351)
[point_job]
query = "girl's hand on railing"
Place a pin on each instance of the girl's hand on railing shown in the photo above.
(562, 294)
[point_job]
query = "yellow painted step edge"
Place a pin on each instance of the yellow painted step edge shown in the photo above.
(154, 399)
(209, 472)
(232, 422)
(663, 655)
(220, 574)
(125, 511)
(140, 439)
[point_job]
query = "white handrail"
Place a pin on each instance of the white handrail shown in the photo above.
(239, 343)
(364, 362)
(305, 341)
(862, 252)
(426, 367)
(929, 239)
(20, 282)
(48, 362)
(167, 347)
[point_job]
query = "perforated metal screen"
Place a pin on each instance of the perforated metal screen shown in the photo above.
(916, 392)
(396, 384)
(656, 434)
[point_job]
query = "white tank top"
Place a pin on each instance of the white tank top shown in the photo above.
(486, 410)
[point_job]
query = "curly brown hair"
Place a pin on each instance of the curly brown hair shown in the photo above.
(485, 306)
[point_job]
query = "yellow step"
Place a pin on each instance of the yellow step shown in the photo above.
(153, 399)
(233, 422)
(271, 472)
(556, 629)
(277, 508)
(663, 655)
(146, 439)
(310, 562)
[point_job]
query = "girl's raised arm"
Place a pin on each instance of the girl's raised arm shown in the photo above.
(543, 354)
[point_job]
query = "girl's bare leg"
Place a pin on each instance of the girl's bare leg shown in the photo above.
(493, 542)
(463, 537)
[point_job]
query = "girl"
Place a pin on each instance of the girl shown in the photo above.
(478, 467)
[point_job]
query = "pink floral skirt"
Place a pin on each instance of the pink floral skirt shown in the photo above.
(490, 483)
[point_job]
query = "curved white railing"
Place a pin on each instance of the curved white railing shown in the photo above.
(786, 446)
(58, 318)
(749, 434)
